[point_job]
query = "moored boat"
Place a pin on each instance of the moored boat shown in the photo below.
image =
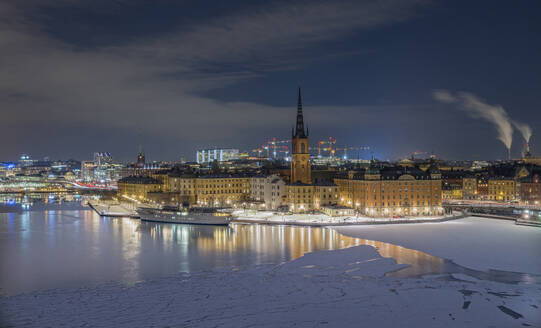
(196, 215)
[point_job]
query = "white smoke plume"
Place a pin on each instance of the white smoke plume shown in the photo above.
(477, 108)
(524, 129)
(444, 96)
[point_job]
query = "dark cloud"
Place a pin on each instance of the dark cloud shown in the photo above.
(80, 96)
(150, 85)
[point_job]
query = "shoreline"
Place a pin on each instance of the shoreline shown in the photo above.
(366, 221)
(312, 220)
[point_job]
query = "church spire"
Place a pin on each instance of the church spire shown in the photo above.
(141, 151)
(299, 131)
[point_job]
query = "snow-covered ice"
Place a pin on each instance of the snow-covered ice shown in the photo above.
(475, 243)
(344, 288)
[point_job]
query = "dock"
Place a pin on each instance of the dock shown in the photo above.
(113, 209)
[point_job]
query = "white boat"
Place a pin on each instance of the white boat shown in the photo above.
(196, 215)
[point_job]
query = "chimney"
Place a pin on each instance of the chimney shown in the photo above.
(527, 150)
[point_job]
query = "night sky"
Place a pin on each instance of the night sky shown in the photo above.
(83, 76)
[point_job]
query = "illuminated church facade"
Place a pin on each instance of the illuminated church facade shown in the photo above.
(304, 196)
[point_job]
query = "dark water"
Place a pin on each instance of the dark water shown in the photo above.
(71, 248)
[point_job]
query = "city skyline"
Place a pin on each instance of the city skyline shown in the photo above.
(178, 80)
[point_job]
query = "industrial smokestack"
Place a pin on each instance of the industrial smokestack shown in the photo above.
(527, 150)
(526, 132)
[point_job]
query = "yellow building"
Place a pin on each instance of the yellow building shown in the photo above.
(138, 188)
(222, 190)
(300, 197)
(501, 189)
(325, 195)
(184, 185)
(163, 179)
(452, 192)
(305, 197)
(392, 191)
(469, 188)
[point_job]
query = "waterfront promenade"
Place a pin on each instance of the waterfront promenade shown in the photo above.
(126, 209)
(317, 220)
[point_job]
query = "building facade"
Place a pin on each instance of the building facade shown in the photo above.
(269, 191)
(101, 158)
(300, 197)
(392, 191)
(184, 185)
(220, 155)
(469, 188)
(107, 173)
(453, 184)
(138, 188)
(452, 192)
(222, 190)
(87, 171)
(530, 190)
(325, 194)
(501, 189)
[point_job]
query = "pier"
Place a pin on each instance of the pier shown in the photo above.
(114, 209)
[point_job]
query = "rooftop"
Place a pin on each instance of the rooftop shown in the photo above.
(138, 180)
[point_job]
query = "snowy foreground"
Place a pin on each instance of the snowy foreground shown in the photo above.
(476, 243)
(344, 288)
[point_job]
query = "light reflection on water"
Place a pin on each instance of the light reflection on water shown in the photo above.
(37, 201)
(51, 249)
(57, 248)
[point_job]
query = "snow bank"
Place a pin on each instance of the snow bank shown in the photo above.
(326, 289)
(476, 243)
(321, 219)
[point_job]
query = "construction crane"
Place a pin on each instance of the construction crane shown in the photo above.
(329, 146)
(273, 147)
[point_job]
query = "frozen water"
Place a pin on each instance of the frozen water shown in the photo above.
(476, 243)
(343, 288)
(331, 286)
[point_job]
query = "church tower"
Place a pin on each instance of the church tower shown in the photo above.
(140, 158)
(300, 155)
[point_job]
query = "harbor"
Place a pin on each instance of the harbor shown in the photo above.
(112, 208)
(133, 210)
